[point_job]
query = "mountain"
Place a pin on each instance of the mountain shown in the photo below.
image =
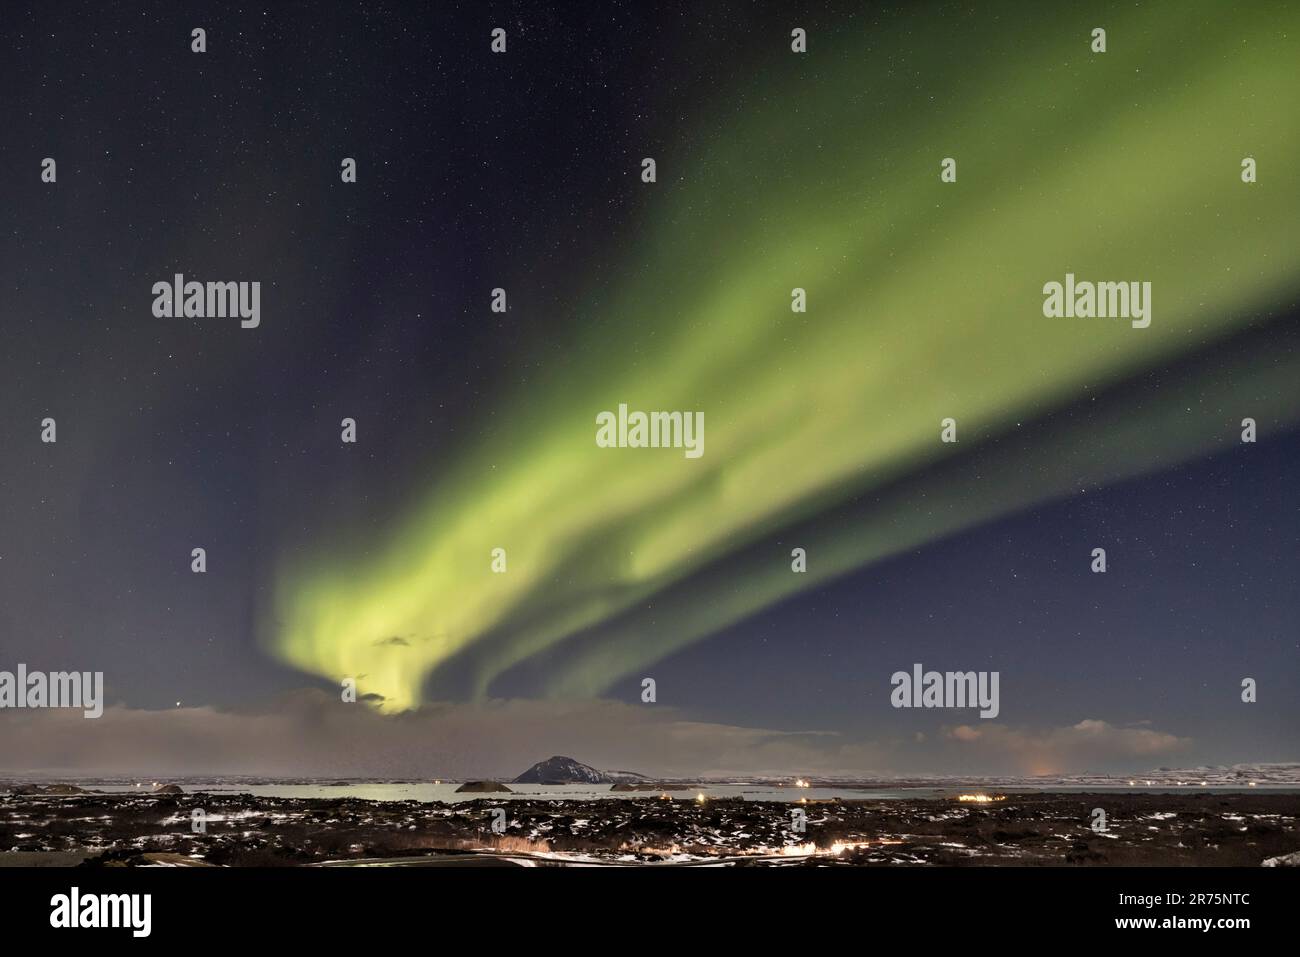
(561, 770)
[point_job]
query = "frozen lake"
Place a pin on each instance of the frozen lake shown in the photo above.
(445, 793)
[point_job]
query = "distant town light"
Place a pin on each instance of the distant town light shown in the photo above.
(839, 847)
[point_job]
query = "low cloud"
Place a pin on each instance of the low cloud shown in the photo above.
(1090, 743)
(314, 734)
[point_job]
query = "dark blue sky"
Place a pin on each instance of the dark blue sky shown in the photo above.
(173, 435)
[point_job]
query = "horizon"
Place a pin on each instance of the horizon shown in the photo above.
(361, 509)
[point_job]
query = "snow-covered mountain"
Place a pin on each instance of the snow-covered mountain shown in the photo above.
(561, 770)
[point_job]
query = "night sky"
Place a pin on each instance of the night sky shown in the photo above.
(475, 429)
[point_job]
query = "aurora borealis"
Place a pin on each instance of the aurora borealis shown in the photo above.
(924, 302)
(497, 302)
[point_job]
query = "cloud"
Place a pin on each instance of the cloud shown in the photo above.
(1091, 743)
(314, 734)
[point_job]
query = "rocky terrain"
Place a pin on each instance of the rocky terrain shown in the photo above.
(1242, 829)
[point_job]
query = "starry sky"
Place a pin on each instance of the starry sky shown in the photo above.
(476, 429)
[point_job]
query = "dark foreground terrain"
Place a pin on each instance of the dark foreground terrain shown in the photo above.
(93, 830)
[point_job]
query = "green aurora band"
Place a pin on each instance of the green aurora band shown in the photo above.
(924, 301)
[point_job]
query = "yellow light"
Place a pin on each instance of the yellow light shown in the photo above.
(799, 850)
(981, 798)
(699, 798)
(839, 847)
